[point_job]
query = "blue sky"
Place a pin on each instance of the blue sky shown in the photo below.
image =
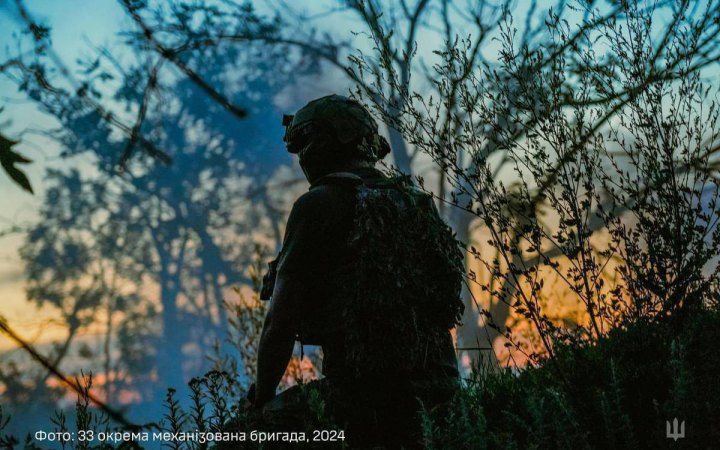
(74, 24)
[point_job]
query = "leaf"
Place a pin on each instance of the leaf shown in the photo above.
(9, 158)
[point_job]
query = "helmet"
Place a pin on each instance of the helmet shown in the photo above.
(351, 129)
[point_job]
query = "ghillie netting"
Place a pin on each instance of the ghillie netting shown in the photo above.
(408, 279)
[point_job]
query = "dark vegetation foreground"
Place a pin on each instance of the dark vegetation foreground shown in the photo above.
(617, 393)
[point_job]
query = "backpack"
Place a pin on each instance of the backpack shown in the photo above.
(404, 292)
(407, 280)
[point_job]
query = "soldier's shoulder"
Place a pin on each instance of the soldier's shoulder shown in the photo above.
(327, 192)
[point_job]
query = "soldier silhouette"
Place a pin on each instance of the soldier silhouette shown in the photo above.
(369, 272)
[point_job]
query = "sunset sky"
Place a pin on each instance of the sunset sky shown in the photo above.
(76, 25)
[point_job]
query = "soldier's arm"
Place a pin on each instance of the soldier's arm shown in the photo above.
(297, 266)
(277, 338)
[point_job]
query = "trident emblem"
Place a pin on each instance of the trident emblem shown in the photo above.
(675, 432)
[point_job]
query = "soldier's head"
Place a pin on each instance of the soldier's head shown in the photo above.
(333, 133)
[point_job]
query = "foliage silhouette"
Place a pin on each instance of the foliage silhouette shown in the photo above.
(583, 141)
(107, 239)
